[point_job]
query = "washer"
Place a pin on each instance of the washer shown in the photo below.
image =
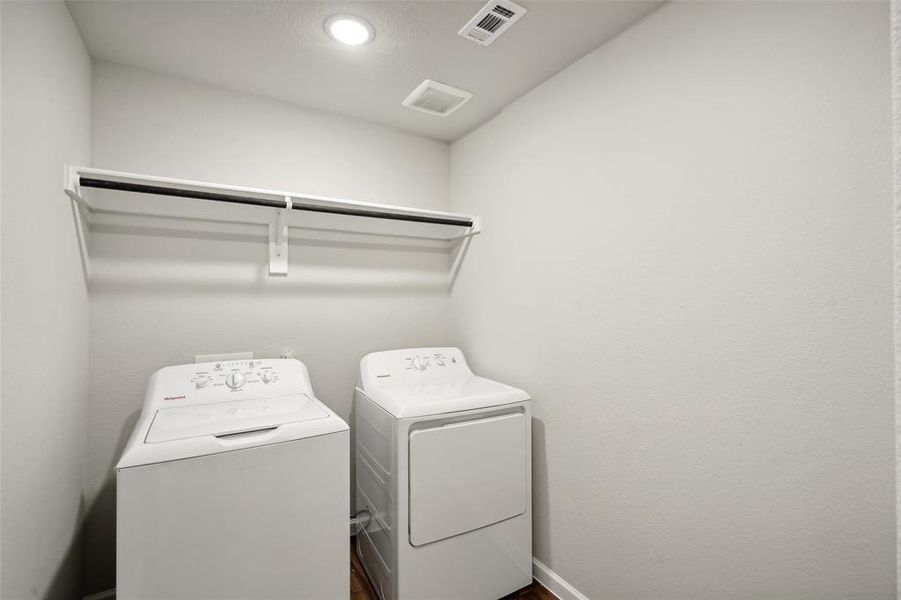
(234, 484)
(443, 465)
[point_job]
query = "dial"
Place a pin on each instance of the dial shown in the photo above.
(234, 380)
(201, 381)
(268, 376)
(418, 364)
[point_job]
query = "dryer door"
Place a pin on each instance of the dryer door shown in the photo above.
(467, 475)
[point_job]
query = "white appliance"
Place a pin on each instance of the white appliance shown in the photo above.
(443, 465)
(234, 484)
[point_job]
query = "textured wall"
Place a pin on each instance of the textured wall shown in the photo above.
(896, 171)
(687, 260)
(46, 109)
(164, 290)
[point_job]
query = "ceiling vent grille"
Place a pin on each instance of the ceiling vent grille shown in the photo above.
(436, 98)
(495, 18)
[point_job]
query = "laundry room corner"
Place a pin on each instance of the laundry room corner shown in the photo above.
(450, 300)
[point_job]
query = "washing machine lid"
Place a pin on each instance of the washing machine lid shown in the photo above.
(194, 430)
(409, 399)
(231, 418)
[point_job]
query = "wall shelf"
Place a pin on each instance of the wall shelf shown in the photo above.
(445, 225)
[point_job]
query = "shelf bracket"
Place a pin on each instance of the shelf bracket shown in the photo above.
(278, 240)
(73, 189)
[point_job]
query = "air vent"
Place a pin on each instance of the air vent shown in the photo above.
(495, 18)
(436, 98)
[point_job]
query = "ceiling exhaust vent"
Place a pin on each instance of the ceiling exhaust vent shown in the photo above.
(495, 18)
(436, 98)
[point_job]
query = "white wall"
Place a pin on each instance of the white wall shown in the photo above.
(1, 306)
(46, 84)
(896, 172)
(164, 290)
(687, 260)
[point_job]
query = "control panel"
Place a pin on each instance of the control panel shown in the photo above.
(413, 364)
(228, 380)
(426, 360)
(235, 375)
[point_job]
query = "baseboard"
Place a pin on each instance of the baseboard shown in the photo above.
(554, 583)
(550, 580)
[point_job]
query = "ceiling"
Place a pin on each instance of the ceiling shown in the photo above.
(280, 50)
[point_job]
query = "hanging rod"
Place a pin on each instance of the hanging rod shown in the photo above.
(298, 203)
(78, 178)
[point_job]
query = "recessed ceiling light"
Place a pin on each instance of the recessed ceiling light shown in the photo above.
(349, 30)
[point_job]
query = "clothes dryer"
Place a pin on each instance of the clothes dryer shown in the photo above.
(443, 465)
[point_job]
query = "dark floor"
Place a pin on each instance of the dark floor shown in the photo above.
(361, 590)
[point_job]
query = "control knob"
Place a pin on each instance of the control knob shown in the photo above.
(268, 376)
(418, 364)
(201, 381)
(234, 380)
